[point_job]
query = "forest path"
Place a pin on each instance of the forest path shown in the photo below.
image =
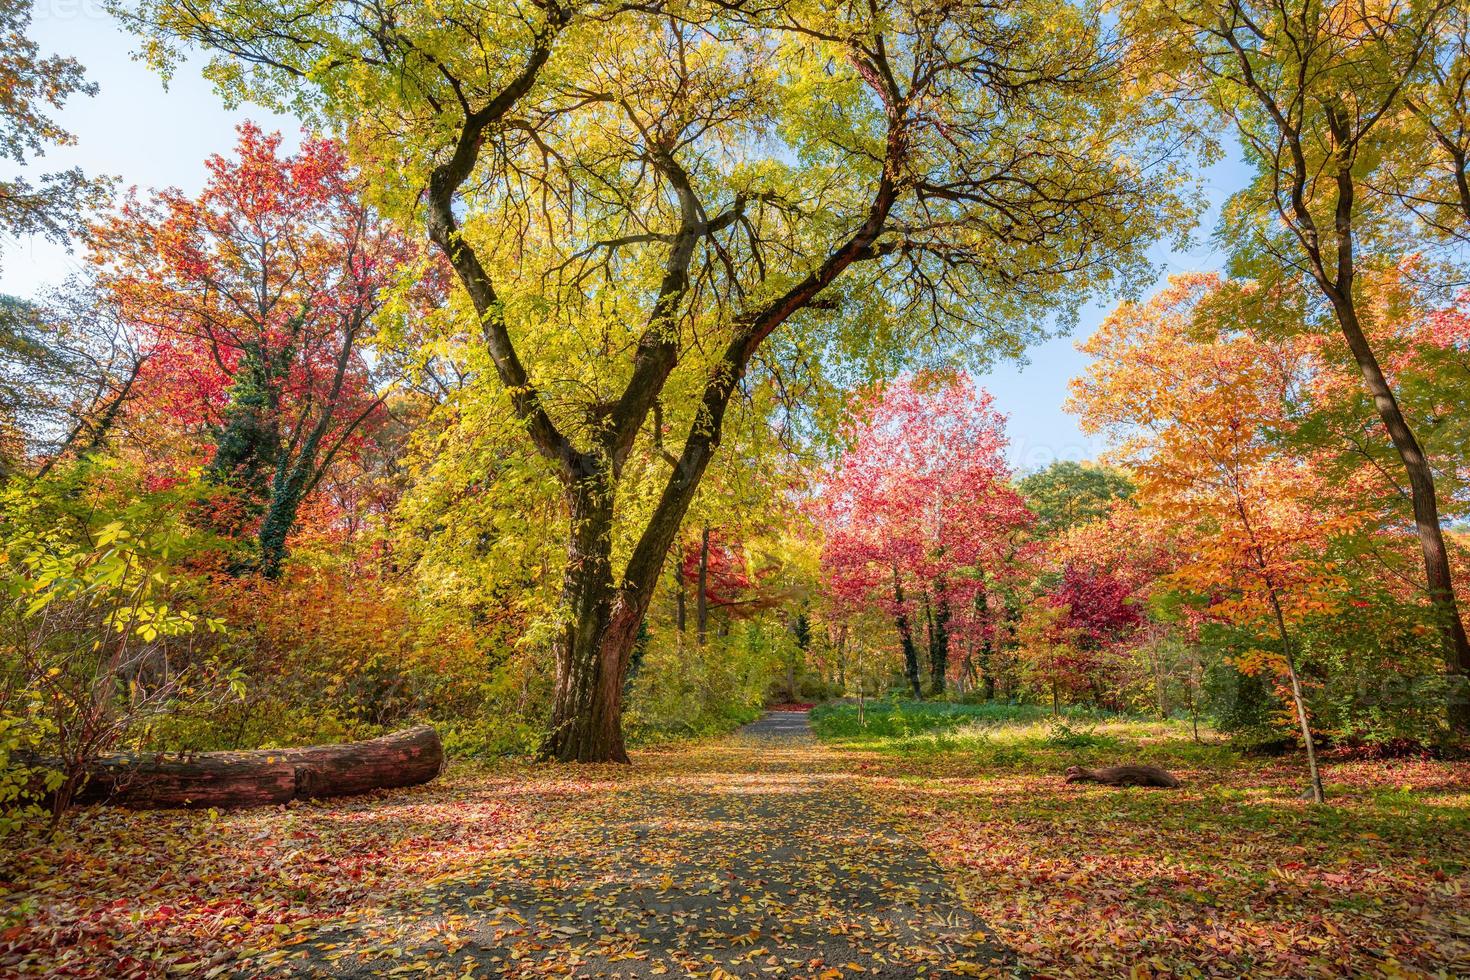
(754, 855)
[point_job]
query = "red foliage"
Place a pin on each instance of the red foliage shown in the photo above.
(923, 496)
(276, 265)
(727, 579)
(1099, 605)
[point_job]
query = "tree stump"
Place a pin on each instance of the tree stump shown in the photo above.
(265, 776)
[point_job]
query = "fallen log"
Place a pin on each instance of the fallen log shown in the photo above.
(265, 776)
(1123, 776)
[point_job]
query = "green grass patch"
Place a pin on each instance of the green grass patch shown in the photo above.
(1017, 737)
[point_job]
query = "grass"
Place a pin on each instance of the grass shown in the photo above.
(1009, 736)
(1232, 875)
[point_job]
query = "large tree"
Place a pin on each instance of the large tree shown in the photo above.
(1311, 89)
(260, 296)
(1197, 408)
(642, 201)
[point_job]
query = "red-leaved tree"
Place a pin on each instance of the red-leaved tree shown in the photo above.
(919, 512)
(261, 294)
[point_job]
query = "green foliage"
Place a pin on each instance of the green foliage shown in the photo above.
(1015, 737)
(35, 85)
(508, 714)
(97, 637)
(1063, 735)
(1369, 675)
(683, 689)
(1067, 494)
(24, 781)
(895, 718)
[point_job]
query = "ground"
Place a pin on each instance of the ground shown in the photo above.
(909, 845)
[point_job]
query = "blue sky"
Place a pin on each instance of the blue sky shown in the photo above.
(152, 137)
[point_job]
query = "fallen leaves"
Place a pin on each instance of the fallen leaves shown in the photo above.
(732, 859)
(134, 894)
(1231, 876)
(727, 859)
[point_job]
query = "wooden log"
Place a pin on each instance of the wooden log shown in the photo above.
(1130, 775)
(404, 758)
(265, 776)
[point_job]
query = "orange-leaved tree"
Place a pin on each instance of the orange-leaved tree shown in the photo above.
(1197, 406)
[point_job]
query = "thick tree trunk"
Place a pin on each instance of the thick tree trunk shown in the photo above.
(266, 776)
(596, 644)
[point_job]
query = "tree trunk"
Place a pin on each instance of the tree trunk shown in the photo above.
(1301, 703)
(701, 599)
(987, 665)
(1160, 680)
(841, 650)
(266, 776)
(595, 645)
(1338, 288)
(906, 637)
(939, 641)
(276, 526)
(680, 602)
(1422, 496)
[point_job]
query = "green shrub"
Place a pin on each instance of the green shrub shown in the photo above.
(682, 689)
(1065, 736)
(97, 637)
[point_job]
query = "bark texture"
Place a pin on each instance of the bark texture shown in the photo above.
(267, 776)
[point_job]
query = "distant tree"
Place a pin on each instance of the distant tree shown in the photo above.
(920, 510)
(31, 86)
(1066, 494)
(67, 368)
(718, 573)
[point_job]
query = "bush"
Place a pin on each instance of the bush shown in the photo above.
(683, 689)
(1065, 736)
(1371, 674)
(23, 782)
(97, 640)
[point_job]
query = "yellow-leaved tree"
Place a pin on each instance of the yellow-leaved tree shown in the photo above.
(646, 205)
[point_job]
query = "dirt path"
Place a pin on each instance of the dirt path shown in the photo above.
(752, 856)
